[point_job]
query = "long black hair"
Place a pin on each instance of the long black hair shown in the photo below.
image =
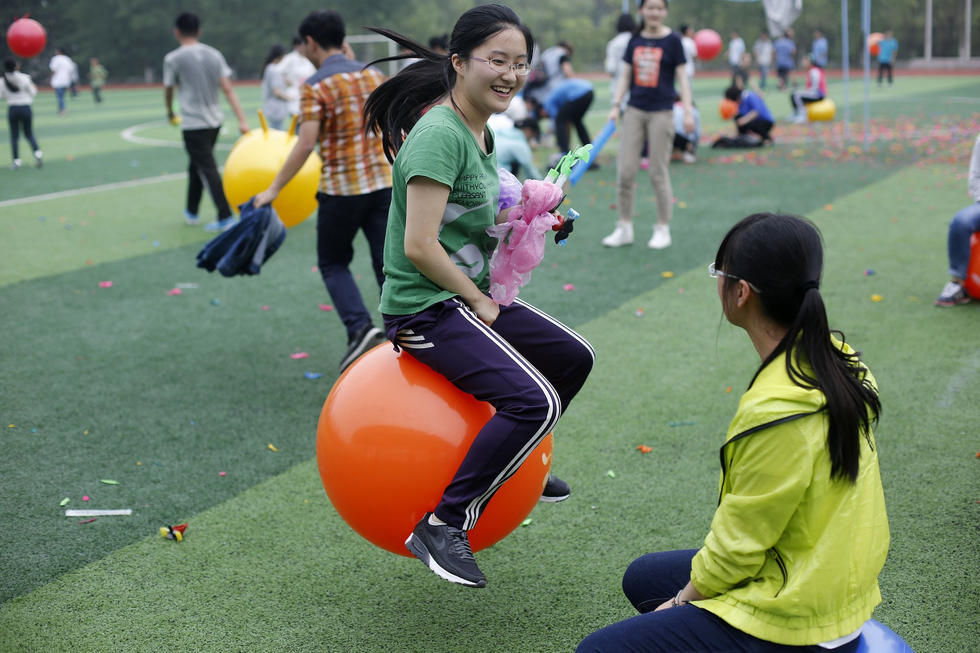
(782, 257)
(396, 105)
(9, 66)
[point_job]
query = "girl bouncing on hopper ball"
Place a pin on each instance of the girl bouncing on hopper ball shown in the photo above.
(435, 299)
(792, 556)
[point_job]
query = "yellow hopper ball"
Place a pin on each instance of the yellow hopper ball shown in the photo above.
(821, 110)
(253, 163)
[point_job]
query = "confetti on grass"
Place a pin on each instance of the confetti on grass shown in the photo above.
(298, 355)
(108, 481)
(272, 447)
(64, 502)
(105, 284)
(527, 522)
(611, 474)
(313, 375)
(642, 448)
(876, 298)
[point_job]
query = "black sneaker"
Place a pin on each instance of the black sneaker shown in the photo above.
(366, 338)
(555, 490)
(446, 551)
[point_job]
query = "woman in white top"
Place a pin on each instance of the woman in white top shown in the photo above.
(625, 25)
(19, 91)
(275, 101)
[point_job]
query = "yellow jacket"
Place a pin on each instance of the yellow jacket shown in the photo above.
(792, 557)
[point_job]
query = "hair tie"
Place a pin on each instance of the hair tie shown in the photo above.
(809, 285)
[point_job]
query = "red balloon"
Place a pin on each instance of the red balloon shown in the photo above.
(972, 284)
(727, 108)
(708, 43)
(26, 38)
(391, 436)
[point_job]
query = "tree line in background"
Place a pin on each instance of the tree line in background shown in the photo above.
(130, 37)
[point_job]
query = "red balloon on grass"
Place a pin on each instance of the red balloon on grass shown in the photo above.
(390, 437)
(708, 43)
(26, 37)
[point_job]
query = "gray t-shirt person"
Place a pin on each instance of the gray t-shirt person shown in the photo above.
(196, 70)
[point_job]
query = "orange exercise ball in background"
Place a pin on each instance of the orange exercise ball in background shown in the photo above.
(727, 108)
(391, 436)
(821, 110)
(253, 163)
(972, 283)
(873, 40)
(708, 43)
(26, 37)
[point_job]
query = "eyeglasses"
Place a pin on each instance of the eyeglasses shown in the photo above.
(714, 273)
(500, 66)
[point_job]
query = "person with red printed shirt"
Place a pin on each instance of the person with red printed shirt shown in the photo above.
(653, 62)
(816, 90)
(355, 183)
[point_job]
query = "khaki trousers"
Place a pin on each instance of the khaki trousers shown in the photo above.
(657, 129)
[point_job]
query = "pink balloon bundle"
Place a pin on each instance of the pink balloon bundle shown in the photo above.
(521, 239)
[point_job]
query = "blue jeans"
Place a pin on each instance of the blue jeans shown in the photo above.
(965, 223)
(338, 220)
(59, 92)
(763, 74)
(657, 577)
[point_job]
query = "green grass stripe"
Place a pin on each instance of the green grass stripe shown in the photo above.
(274, 567)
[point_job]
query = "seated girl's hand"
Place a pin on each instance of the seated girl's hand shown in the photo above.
(486, 309)
(613, 114)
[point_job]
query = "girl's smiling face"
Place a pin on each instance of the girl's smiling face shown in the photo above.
(480, 87)
(653, 13)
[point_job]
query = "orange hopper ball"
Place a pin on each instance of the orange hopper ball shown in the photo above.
(727, 108)
(390, 437)
(26, 37)
(972, 284)
(873, 40)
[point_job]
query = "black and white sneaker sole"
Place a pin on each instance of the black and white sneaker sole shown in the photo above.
(373, 337)
(418, 549)
(547, 499)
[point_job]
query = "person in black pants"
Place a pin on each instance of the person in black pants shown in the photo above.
(19, 91)
(567, 104)
(198, 72)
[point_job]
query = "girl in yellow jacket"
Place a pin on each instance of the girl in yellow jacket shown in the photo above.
(800, 534)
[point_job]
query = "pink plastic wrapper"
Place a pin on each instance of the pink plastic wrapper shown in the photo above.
(521, 239)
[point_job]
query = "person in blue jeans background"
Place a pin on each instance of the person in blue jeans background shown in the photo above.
(965, 223)
(19, 91)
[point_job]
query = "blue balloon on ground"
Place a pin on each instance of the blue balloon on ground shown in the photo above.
(878, 638)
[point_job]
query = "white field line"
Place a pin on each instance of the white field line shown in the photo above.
(129, 134)
(94, 189)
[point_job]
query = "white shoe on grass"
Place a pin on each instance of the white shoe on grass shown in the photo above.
(660, 238)
(621, 235)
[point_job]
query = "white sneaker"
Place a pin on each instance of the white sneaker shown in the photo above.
(661, 237)
(38, 158)
(621, 235)
(689, 157)
(15, 165)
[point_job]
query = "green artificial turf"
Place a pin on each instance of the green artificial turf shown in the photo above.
(162, 393)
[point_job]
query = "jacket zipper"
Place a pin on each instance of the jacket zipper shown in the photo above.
(774, 554)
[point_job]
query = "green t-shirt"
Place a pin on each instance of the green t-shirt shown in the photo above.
(441, 148)
(97, 74)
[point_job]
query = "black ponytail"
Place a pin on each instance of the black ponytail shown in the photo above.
(397, 104)
(782, 256)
